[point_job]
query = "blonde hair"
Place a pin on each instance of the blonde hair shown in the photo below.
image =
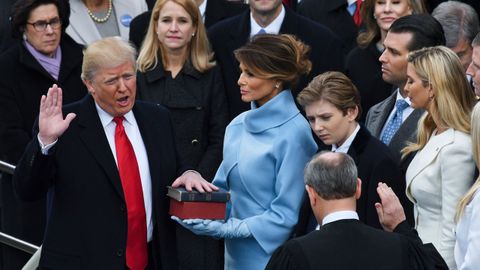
(276, 57)
(453, 99)
(333, 87)
(109, 52)
(372, 30)
(476, 156)
(199, 52)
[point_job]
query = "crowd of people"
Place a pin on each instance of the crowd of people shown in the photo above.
(346, 126)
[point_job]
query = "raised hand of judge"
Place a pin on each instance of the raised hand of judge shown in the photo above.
(50, 121)
(390, 210)
(233, 228)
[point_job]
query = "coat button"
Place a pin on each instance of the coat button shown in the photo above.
(195, 142)
(122, 207)
(198, 108)
(119, 252)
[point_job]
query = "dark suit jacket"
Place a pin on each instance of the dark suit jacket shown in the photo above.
(87, 228)
(334, 15)
(348, 244)
(215, 11)
(375, 163)
(326, 51)
(376, 119)
(365, 71)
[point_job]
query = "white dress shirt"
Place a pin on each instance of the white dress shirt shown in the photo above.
(339, 215)
(346, 144)
(133, 133)
(272, 28)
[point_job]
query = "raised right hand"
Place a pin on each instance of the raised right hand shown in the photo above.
(50, 120)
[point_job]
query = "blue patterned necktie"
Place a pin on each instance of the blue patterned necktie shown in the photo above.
(395, 122)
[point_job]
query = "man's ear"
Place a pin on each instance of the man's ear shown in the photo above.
(358, 192)
(312, 195)
(89, 86)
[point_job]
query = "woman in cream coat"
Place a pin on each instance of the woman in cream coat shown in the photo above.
(116, 16)
(265, 152)
(443, 168)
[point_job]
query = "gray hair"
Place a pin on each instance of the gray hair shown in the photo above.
(458, 20)
(333, 175)
(109, 52)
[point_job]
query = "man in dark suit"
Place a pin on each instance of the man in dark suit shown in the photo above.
(406, 34)
(212, 11)
(334, 14)
(272, 17)
(106, 166)
(343, 242)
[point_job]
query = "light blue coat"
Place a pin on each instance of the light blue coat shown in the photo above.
(264, 155)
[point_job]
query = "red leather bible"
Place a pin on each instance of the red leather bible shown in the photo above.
(193, 204)
(204, 210)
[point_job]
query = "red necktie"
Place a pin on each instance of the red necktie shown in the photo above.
(137, 256)
(356, 15)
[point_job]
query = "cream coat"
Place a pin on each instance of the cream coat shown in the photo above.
(82, 28)
(437, 178)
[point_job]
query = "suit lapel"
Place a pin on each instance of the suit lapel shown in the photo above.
(428, 154)
(151, 140)
(85, 29)
(290, 22)
(407, 129)
(93, 136)
(380, 114)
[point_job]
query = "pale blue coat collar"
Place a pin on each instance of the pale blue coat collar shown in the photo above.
(275, 112)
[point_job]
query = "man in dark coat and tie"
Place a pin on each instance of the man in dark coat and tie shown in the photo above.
(106, 161)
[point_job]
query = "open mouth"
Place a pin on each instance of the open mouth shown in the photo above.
(123, 101)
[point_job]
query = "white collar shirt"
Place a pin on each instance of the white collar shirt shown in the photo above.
(135, 137)
(272, 28)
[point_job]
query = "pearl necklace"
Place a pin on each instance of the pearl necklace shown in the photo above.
(101, 20)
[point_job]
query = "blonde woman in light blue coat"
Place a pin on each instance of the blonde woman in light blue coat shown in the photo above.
(265, 151)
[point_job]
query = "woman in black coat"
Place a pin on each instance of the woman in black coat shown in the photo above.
(41, 56)
(332, 106)
(176, 71)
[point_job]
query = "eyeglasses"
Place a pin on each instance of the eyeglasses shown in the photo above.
(41, 26)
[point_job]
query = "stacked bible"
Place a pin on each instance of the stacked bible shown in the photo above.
(193, 204)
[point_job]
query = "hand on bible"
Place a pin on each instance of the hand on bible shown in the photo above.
(50, 120)
(233, 228)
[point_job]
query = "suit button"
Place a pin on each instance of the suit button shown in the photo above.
(119, 252)
(195, 142)
(198, 108)
(122, 207)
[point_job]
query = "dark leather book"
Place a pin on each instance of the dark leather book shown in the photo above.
(182, 195)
